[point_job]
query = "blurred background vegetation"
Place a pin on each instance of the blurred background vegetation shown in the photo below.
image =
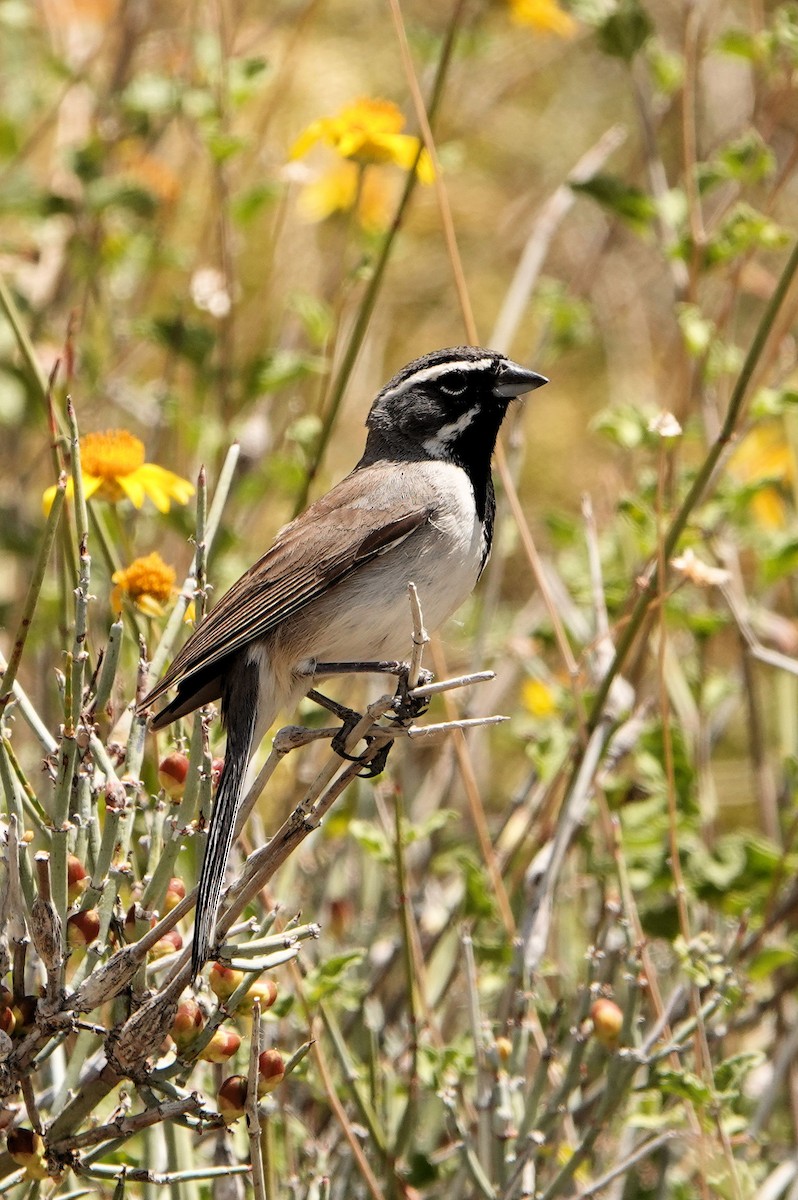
(197, 260)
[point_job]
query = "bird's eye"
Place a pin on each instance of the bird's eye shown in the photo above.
(454, 384)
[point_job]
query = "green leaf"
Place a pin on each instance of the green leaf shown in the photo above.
(771, 959)
(745, 229)
(624, 424)
(283, 367)
(104, 194)
(327, 977)
(150, 93)
(251, 203)
(697, 330)
(686, 1085)
(568, 318)
(372, 840)
(185, 338)
(630, 203)
(625, 31)
(739, 43)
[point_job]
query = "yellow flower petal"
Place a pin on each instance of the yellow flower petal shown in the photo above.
(149, 606)
(307, 139)
(132, 487)
(538, 698)
(91, 484)
(543, 15)
(156, 478)
(369, 131)
(148, 582)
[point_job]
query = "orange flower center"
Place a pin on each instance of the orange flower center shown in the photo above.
(111, 454)
(149, 576)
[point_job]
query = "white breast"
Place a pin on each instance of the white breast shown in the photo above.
(367, 616)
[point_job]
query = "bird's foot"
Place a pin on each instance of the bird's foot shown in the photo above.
(406, 706)
(373, 766)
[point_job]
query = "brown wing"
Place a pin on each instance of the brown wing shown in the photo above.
(328, 541)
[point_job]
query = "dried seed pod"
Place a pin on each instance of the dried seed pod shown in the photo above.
(108, 980)
(45, 923)
(143, 1032)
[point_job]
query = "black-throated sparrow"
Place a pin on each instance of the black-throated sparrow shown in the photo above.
(418, 507)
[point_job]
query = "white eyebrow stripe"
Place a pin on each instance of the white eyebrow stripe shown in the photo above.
(435, 446)
(425, 374)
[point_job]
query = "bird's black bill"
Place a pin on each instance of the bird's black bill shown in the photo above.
(514, 381)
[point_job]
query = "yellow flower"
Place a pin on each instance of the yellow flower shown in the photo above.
(113, 468)
(764, 459)
(148, 583)
(544, 15)
(538, 698)
(367, 131)
(348, 186)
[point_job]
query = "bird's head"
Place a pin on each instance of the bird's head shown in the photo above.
(448, 405)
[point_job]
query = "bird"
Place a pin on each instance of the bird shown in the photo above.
(419, 507)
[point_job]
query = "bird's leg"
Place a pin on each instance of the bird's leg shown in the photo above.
(347, 715)
(406, 706)
(389, 666)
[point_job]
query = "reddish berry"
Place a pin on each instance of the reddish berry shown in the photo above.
(271, 1071)
(175, 892)
(232, 1098)
(264, 990)
(172, 772)
(189, 1020)
(77, 878)
(83, 928)
(223, 1045)
(171, 941)
(607, 1020)
(224, 981)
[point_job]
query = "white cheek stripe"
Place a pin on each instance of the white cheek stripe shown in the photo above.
(449, 433)
(428, 373)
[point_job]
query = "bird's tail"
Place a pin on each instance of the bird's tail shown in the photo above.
(240, 713)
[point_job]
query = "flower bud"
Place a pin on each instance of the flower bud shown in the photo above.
(216, 772)
(232, 1098)
(223, 1045)
(271, 1071)
(607, 1020)
(172, 773)
(83, 928)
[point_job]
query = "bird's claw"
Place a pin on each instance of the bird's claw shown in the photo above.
(375, 766)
